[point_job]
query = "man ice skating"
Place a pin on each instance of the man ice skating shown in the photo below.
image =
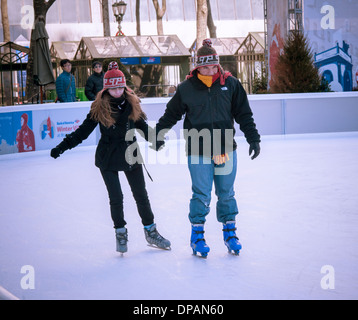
(211, 101)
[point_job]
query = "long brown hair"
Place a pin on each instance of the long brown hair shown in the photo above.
(101, 110)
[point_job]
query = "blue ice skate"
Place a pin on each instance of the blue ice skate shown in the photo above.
(197, 241)
(230, 238)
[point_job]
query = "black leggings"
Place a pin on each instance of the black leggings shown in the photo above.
(137, 183)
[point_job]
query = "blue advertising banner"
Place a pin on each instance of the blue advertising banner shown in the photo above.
(130, 61)
(16, 132)
(7, 138)
(42, 128)
(151, 60)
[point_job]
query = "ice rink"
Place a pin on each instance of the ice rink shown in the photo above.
(298, 225)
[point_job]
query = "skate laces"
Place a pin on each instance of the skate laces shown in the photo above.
(155, 235)
(122, 237)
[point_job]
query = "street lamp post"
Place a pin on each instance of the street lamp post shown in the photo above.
(119, 10)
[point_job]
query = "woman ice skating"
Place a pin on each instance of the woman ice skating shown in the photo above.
(211, 101)
(117, 110)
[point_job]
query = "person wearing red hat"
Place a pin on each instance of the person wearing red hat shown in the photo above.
(211, 100)
(117, 110)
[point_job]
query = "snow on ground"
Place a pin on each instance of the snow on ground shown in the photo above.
(298, 213)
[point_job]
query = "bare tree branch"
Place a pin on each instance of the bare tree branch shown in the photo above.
(201, 22)
(160, 13)
(48, 4)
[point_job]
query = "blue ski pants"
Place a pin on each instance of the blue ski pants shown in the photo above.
(203, 173)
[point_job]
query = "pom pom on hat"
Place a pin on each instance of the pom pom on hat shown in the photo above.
(113, 65)
(207, 55)
(114, 78)
(207, 43)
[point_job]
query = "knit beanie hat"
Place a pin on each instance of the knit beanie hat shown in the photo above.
(206, 55)
(114, 78)
(94, 64)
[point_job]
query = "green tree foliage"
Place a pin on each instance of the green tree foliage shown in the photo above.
(295, 70)
(259, 85)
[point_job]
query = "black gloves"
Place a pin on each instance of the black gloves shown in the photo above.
(157, 140)
(254, 147)
(63, 146)
(55, 152)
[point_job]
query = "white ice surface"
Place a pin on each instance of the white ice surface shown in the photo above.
(298, 207)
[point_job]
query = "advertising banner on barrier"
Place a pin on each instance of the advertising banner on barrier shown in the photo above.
(16, 132)
(51, 126)
(43, 129)
(7, 137)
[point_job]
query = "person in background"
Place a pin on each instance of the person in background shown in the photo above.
(66, 83)
(94, 83)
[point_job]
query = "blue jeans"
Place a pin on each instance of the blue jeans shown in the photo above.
(203, 173)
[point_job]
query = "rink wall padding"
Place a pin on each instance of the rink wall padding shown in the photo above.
(41, 127)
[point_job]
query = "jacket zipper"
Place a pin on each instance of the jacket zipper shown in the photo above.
(211, 110)
(212, 122)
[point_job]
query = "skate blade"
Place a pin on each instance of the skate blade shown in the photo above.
(156, 247)
(234, 253)
(201, 255)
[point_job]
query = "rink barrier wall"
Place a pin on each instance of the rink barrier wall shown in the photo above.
(274, 114)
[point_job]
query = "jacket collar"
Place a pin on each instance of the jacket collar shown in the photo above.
(194, 78)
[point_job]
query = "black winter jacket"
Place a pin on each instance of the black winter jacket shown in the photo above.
(112, 147)
(212, 109)
(94, 85)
